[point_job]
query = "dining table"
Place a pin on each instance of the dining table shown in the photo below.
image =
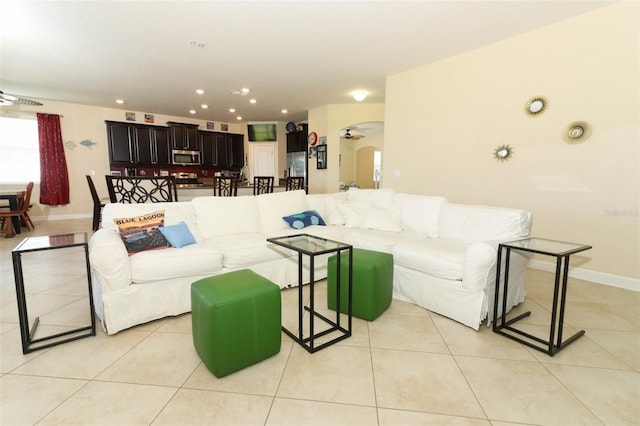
(13, 196)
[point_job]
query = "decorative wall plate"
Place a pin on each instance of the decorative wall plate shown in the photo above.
(536, 105)
(503, 152)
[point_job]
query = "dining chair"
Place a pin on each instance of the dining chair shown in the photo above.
(294, 183)
(141, 189)
(22, 213)
(225, 186)
(262, 185)
(98, 204)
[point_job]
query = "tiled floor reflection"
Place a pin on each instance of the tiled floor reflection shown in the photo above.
(410, 366)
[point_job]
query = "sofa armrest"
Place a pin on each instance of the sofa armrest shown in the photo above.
(479, 265)
(109, 260)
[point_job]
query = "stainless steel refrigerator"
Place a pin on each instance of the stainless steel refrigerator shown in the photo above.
(297, 165)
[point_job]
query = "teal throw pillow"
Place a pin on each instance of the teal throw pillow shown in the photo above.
(304, 219)
(178, 235)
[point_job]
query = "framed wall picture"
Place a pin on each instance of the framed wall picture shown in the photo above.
(322, 157)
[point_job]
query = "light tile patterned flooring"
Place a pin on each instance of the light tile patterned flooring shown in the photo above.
(408, 367)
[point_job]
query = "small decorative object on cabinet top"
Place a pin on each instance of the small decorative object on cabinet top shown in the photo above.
(503, 152)
(536, 105)
(291, 126)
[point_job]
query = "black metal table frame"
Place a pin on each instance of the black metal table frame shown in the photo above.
(309, 342)
(555, 343)
(26, 332)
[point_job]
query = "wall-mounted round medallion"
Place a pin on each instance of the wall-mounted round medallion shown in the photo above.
(503, 153)
(536, 105)
(576, 132)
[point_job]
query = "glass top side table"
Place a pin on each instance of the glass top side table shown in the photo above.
(562, 251)
(36, 244)
(313, 246)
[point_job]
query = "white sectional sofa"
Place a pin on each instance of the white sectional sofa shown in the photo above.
(444, 253)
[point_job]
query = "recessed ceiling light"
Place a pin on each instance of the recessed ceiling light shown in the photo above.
(119, 101)
(245, 90)
(200, 91)
(204, 106)
(284, 111)
(238, 118)
(232, 110)
(193, 111)
(359, 95)
(253, 101)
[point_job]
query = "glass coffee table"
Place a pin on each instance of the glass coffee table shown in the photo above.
(561, 251)
(313, 246)
(39, 244)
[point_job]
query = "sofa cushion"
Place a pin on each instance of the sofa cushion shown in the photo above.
(443, 258)
(142, 233)
(174, 213)
(196, 259)
(217, 216)
(481, 223)
(372, 239)
(358, 215)
(420, 213)
(242, 251)
(273, 207)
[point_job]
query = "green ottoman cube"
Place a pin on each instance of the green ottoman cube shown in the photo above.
(236, 320)
(372, 283)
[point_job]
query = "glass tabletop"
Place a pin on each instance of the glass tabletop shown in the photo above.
(544, 246)
(308, 244)
(51, 241)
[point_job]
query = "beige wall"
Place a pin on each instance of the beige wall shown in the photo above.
(443, 122)
(328, 121)
(80, 122)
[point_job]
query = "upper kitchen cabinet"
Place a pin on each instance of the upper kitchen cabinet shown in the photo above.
(184, 136)
(222, 149)
(297, 140)
(152, 145)
(138, 144)
(120, 137)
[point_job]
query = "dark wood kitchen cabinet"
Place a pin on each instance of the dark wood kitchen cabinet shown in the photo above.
(152, 145)
(184, 136)
(138, 144)
(119, 136)
(222, 149)
(297, 140)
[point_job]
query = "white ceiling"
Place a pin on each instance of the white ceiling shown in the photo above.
(294, 55)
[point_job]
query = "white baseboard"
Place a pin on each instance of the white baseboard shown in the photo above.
(589, 275)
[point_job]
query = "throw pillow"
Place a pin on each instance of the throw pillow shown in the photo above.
(178, 235)
(140, 233)
(304, 219)
(353, 214)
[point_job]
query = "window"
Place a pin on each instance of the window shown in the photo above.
(20, 159)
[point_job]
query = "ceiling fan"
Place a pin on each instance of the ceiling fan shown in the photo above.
(12, 100)
(347, 135)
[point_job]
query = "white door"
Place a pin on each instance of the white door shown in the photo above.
(262, 159)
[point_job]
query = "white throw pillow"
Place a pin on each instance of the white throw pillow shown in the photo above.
(381, 219)
(420, 213)
(353, 214)
(333, 216)
(381, 198)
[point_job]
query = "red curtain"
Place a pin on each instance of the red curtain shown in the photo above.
(54, 178)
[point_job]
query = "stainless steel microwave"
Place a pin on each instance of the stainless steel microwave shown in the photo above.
(185, 158)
